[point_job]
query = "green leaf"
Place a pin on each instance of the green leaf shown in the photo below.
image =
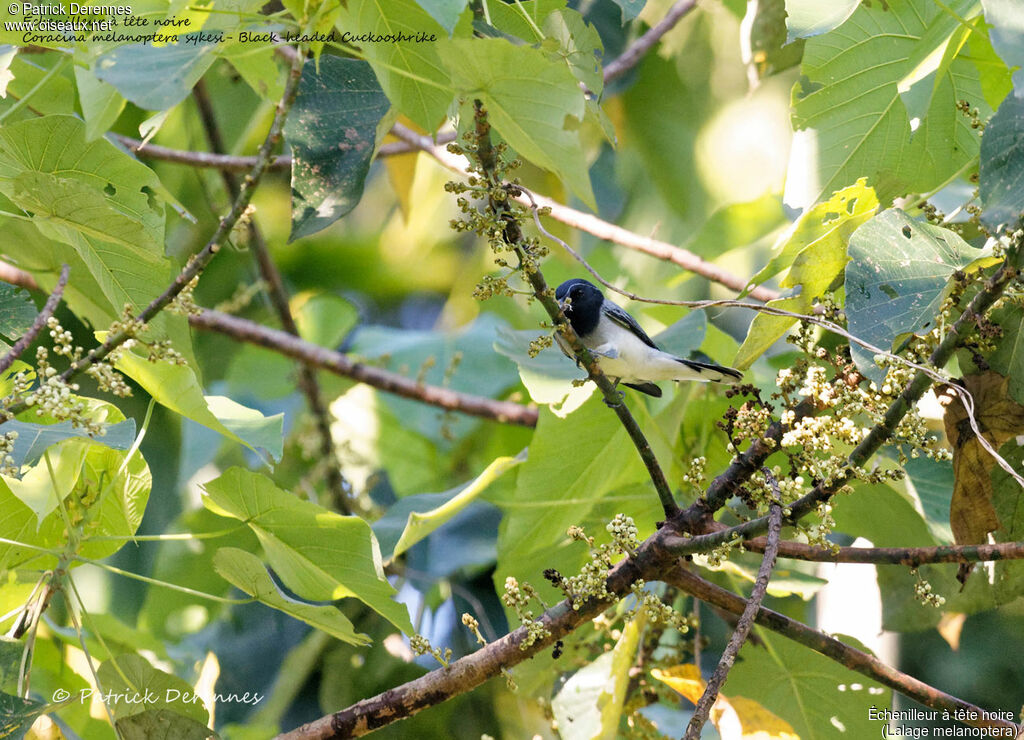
(157, 77)
(590, 703)
(17, 311)
(258, 67)
(815, 694)
(161, 724)
(737, 225)
(529, 102)
(579, 45)
(1001, 176)
(17, 714)
(524, 19)
(812, 255)
(413, 518)
(57, 95)
(34, 439)
(317, 553)
(630, 9)
(331, 131)
(897, 277)
(133, 686)
(848, 115)
(178, 388)
(1008, 357)
(410, 73)
(931, 483)
(1007, 34)
(101, 102)
(324, 319)
(247, 572)
(38, 488)
(806, 18)
(445, 12)
(549, 376)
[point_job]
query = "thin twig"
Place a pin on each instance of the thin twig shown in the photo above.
(196, 265)
(851, 658)
(341, 364)
(308, 384)
(40, 321)
(636, 51)
(513, 236)
(907, 556)
(599, 228)
(746, 620)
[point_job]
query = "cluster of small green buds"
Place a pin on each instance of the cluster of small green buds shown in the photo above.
(185, 302)
(539, 344)
(62, 340)
(492, 285)
(923, 592)
(420, 645)
(54, 397)
(7, 466)
(696, 475)
(656, 610)
(973, 113)
(517, 598)
(624, 533)
(107, 377)
(162, 351)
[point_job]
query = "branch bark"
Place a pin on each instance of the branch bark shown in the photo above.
(40, 321)
(746, 620)
(340, 364)
(639, 48)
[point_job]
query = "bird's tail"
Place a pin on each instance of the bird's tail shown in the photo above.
(709, 372)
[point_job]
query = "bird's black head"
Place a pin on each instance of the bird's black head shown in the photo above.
(583, 308)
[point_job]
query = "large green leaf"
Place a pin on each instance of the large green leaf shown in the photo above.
(410, 73)
(134, 686)
(815, 694)
(101, 102)
(812, 255)
(445, 12)
(17, 714)
(529, 102)
(1001, 176)
(178, 388)
(898, 272)
(157, 77)
(331, 131)
(247, 572)
(34, 439)
(1007, 34)
(17, 311)
(849, 118)
(414, 517)
(317, 553)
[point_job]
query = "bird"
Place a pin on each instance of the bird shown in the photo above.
(623, 350)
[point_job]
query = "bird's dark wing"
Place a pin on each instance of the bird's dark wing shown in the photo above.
(627, 322)
(649, 388)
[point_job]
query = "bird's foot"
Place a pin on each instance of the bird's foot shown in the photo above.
(620, 395)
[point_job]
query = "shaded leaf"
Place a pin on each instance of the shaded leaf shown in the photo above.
(317, 553)
(156, 77)
(34, 439)
(331, 131)
(413, 518)
(630, 9)
(1008, 357)
(17, 311)
(17, 714)
(162, 724)
(445, 12)
(1007, 34)
(133, 686)
(579, 45)
(768, 49)
(246, 571)
(324, 319)
(101, 102)
(897, 277)
(1001, 176)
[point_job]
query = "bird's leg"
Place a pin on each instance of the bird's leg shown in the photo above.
(620, 394)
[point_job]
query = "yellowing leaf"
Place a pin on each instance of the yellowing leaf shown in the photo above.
(736, 718)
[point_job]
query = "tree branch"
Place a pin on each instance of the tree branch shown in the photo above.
(513, 236)
(202, 258)
(746, 621)
(16, 276)
(308, 384)
(340, 364)
(597, 227)
(40, 321)
(880, 432)
(855, 660)
(636, 51)
(907, 556)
